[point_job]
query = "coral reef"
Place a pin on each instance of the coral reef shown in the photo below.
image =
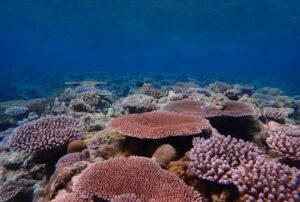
(46, 133)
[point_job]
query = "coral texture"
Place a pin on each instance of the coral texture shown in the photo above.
(214, 157)
(186, 106)
(46, 133)
(90, 97)
(126, 198)
(266, 181)
(134, 175)
(158, 124)
(274, 114)
(150, 90)
(285, 142)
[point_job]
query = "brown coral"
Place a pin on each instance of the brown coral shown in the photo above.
(155, 125)
(135, 175)
(186, 106)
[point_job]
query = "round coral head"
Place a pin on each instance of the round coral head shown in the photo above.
(156, 125)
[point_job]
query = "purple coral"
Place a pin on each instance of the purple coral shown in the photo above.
(266, 181)
(285, 142)
(46, 133)
(71, 158)
(214, 157)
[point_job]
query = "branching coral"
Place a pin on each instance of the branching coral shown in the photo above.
(212, 158)
(266, 181)
(285, 142)
(155, 125)
(46, 133)
(274, 114)
(16, 111)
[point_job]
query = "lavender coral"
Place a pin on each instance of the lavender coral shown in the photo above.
(155, 125)
(134, 175)
(266, 181)
(214, 157)
(46, 133)
(285, 142)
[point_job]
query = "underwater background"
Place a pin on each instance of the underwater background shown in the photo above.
(249, 41)
(149, 100)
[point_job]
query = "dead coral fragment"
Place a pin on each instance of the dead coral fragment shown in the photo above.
(156, 125)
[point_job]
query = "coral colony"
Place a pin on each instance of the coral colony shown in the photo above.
(155, 140)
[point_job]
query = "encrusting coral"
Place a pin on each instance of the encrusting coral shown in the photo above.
(46, 133)
(156, 125)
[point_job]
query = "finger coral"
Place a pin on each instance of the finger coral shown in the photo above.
(155, 125)
(46, 133)
(212, 158)
(134, 175)
(267, 181)
(285, 142)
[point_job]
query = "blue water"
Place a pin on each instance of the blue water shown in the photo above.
(259, 38)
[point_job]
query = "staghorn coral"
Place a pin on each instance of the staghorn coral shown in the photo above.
(266, 181)
(16, 111)
(46, 133)
(156, 125)
(212, 158)
(274, 114)
(285, 142)
(134, 175)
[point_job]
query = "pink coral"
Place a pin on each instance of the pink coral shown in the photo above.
(134, 175)
(285, 142)
(46, 133)
(126, 198)
(214, 157)
(157, 125)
